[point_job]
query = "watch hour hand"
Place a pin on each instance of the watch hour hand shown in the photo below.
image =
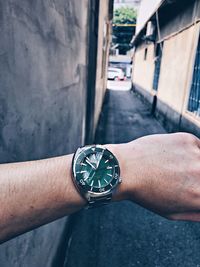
(88, 161)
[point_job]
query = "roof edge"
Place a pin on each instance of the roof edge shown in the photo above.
(159, 6)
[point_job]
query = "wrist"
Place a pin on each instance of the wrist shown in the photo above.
(71, 194)
(122, 190)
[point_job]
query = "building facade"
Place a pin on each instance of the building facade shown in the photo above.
(147, 8)
(53, 57)
(167, 62)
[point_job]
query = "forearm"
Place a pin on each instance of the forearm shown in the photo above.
(37, 192)
(34, 193)
(160, 172)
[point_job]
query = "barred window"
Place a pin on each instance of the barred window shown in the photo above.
(158, 58)
(194, 98)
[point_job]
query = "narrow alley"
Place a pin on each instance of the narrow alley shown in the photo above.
(67, 69)
(124, 234)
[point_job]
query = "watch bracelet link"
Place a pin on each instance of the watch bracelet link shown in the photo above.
(94, 202)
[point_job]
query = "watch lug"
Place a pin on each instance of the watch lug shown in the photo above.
(87, 196)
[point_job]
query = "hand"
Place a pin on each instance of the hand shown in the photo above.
(162, 173)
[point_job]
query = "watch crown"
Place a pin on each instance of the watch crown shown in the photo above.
(120, 180)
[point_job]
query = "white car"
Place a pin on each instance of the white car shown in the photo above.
(115, 74)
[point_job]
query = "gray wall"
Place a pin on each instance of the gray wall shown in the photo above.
(43, 70)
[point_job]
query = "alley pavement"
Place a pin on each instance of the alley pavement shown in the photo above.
(124, 234)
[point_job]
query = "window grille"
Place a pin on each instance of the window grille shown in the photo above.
(145, 53)
(194, 98)
(158, 59)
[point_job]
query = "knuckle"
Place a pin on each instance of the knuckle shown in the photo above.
(193, 190)
(193, 194)
(193, 139)
(188, 138)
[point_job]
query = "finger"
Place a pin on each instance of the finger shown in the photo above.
(189, 216)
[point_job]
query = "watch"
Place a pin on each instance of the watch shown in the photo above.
(96, 174)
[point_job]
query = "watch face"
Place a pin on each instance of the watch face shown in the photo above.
(96, 170)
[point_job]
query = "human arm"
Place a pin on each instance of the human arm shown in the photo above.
(159, 172)
(34, 193)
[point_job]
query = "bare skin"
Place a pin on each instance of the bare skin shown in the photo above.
(159, 172)
(166, 171)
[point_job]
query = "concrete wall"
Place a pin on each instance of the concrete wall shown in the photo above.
(42, 68)
(143, 69)
(177, 16)
(104, 38)
(179, 50)
(174, 76)
(176, 64)
(145, 11)
(43, 97)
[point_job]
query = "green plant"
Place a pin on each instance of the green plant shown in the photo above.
(122, 33)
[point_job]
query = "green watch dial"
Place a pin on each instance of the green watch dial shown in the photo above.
(96, 170)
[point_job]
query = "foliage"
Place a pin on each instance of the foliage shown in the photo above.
(125, 15)
(122, 35)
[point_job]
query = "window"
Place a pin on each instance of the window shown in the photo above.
(145, 53)
(194, 98)
(158, 58)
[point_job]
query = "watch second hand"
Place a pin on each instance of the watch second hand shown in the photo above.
(99, 159)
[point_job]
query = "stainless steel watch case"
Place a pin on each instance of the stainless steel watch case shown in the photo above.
(93, 197)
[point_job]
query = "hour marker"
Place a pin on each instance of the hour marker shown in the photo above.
(99, 183)
(86, 178)
(109, 167)
(83, 164)
(106, 161)
(109, 174)
(105, 180)
(83, 171)
(92, 182)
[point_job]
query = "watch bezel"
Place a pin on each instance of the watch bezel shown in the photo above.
(85, 189)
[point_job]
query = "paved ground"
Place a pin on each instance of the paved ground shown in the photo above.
(124, 234)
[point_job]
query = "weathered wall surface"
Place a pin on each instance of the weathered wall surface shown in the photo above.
(43, 88)
(177, 64)
(143, 68)
(177, 16)
(43, 77)
(38, 248)
(104, 35)
(177, 54)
